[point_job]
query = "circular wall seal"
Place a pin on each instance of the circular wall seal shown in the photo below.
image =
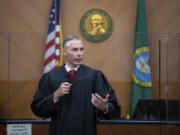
(96, 25)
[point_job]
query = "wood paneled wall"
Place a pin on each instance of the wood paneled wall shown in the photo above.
(23, 30)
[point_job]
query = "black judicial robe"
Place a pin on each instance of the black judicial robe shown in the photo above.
(74, 113)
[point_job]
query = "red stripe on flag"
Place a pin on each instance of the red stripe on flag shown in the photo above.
(57, 57)
(57, 34)
(49, 44)
(57, 46)
(49, 59)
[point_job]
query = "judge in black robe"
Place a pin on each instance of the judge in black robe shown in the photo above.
(74, 113)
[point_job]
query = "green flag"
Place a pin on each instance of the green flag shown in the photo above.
(142, 83)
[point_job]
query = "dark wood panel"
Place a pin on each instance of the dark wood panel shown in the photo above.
(4, 100)
(16, 99)
(40, 129)
(113, 129)
(130, 129)
(37, 129)
(3, 129)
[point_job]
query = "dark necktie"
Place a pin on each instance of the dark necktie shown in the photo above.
(71, 74)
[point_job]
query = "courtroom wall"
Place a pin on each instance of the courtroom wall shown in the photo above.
(23, 30)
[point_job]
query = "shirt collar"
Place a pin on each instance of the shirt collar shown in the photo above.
(68, 68)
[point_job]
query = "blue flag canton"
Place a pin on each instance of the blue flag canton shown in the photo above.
(52, 19)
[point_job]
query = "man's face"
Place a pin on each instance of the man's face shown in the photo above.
(74, 53)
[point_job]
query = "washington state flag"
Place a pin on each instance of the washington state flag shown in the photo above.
(142, 82)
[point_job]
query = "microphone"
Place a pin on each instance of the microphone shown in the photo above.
(67, 76)
(67, 79)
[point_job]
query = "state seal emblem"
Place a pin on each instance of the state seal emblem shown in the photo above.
(96, 25)
(141, 67)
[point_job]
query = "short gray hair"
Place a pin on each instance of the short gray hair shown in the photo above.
(69, 38)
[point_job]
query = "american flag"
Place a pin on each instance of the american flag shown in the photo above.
(53, 53)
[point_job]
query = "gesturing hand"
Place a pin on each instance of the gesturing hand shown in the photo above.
(62, 90)
(99, 102)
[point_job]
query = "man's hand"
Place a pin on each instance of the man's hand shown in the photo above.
(62, 90)
(99, 102)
